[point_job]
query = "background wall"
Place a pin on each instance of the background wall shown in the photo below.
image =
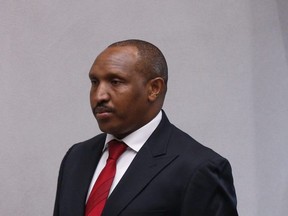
(228, 88)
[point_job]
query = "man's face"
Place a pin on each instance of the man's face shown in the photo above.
(119, 93)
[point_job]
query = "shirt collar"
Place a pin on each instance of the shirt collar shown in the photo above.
(137, 139)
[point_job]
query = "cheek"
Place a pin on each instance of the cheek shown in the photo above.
(92, 97)
(138, 104)
(130, 100)
(92, 102)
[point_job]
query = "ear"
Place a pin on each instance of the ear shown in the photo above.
(155, 88)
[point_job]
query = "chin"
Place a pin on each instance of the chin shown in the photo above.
(117, 133)
(109, 130)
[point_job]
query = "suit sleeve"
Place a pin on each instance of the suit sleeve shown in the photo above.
(210, 191)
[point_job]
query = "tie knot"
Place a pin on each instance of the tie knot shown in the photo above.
(116, 148)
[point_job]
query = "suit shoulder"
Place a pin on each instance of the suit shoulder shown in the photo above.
(187, 146)
(87, 145)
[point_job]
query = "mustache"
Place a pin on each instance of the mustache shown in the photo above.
(100, 108)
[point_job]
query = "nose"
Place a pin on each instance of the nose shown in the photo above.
(100, 94)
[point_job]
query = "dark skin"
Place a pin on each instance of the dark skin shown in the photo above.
(122, 98)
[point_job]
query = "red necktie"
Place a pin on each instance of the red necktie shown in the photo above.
(101, 188)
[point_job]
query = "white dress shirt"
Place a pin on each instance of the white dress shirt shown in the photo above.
(134, 141)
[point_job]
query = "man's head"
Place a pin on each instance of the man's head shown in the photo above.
(129, 83)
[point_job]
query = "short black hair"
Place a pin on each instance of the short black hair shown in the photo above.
(152, 61)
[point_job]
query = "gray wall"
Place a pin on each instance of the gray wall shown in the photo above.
(228, 88)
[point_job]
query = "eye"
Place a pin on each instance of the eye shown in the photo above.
(116, 82)
(94, 82)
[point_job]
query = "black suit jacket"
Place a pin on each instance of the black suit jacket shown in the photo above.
(172, 174)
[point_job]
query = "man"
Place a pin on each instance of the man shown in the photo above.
(160, 170)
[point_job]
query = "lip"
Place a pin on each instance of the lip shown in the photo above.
(102, 112)
(102, 115)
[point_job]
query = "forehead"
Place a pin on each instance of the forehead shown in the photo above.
(117, 57)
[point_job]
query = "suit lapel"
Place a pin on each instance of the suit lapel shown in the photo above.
(85, 170)
(148, 163)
